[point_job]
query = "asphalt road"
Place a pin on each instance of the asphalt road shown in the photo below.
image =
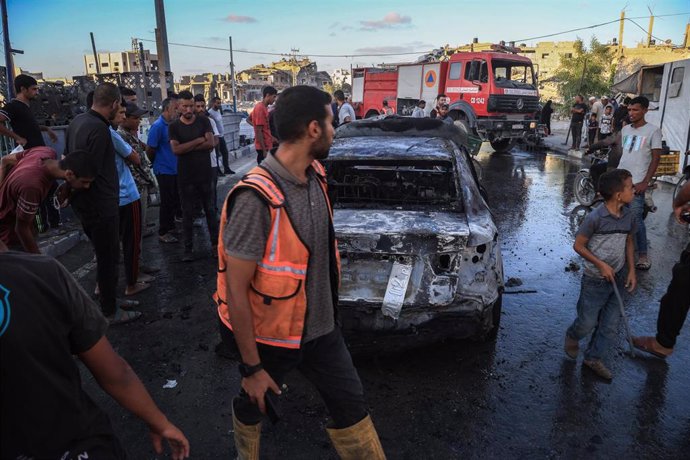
(517, 397)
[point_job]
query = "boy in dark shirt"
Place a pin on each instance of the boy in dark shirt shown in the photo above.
(605, 240)
(592, 128)
(191, 140)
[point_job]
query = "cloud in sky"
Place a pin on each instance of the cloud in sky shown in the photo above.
(238, 19)
(389, 21)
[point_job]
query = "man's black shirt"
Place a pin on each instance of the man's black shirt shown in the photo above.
(192, 167)
(619, 115)
(47, 318)
(579, 117)
(23, 123)
(90, 131)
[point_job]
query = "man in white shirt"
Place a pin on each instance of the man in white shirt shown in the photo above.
(418, 111)
(641, 154)
(215, 112)
(346, 113)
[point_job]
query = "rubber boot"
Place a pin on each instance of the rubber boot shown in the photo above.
(358, 441)
(247, 439)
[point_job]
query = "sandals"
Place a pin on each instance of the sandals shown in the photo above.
(136, 288)
(643, 265)
(651, 346)
(126, 304)
(123, 316)
(145, 277)
(167, 238)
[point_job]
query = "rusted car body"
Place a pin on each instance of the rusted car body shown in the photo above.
(419, 249)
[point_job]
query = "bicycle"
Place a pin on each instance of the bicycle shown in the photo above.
(685, 177)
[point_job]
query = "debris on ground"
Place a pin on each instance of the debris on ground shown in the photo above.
(512, 282)
(572, 266)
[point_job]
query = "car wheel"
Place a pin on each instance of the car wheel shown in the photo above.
(496, 318)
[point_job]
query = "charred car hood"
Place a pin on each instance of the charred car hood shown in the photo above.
(400, 232)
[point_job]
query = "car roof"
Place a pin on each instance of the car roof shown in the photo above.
(389, 147)
(394, 136)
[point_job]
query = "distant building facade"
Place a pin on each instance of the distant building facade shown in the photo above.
(120, 62)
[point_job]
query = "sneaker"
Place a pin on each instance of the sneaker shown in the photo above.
(571, 347)
(229, 171)
(598, 368)
(123, 316)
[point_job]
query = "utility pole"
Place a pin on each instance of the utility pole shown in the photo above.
(95, 54)
(620, 35)
(232, 77)
(651, 26)
(162, 63)
(162, 46)
(145, 81)
(9, 60)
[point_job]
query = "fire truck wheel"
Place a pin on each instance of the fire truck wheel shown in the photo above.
(503, 145)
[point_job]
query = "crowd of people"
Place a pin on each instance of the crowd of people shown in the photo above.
(108, 177)
(278, 265)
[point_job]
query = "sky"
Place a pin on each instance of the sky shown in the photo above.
(54, 34)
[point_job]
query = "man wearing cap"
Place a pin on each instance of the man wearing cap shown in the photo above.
(129, 212)
(144, 178)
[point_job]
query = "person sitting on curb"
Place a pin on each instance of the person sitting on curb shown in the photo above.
(27, 184)
(45, 411)
(673, 308)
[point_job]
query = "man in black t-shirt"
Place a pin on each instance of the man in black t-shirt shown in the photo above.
(45, 319)
(578, 117)
(25, 129)
(191, 139)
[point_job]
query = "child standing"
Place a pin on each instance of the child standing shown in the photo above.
(605, 240)
(606, 123)
(592, 127)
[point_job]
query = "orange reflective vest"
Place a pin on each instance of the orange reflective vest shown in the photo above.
(277, 294)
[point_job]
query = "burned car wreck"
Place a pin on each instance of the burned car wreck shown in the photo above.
(419, 249)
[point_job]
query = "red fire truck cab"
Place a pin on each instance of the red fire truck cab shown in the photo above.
(493, 94)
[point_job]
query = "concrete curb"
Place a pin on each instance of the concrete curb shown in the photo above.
(61, 244)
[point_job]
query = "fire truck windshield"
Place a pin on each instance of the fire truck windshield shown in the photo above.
(512, 74)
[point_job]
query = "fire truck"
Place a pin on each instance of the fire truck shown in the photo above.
(492, 94)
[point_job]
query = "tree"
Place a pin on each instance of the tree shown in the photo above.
(589, 71)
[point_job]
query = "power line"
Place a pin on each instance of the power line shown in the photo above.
(644, 30)
(594, 26)
(416, 53)
(266, 53)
